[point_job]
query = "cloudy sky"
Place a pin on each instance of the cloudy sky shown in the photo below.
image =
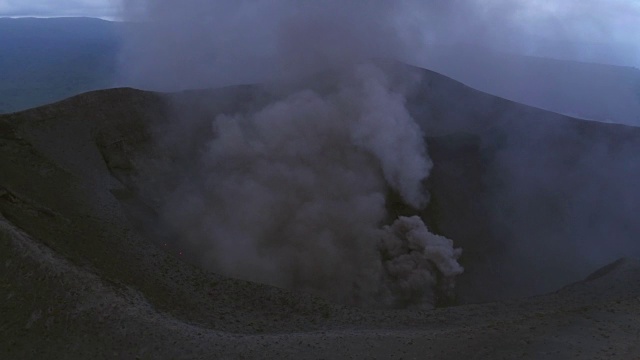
(623, 12)
(585, 21)
(49, 8)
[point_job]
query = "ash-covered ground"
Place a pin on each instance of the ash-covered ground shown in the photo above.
(531, 197)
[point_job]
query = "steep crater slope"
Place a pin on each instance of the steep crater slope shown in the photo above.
(535, 199)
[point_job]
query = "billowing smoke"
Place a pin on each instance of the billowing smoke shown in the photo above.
(412, 256)
(491, 45)
(200, 44)
(293, 192)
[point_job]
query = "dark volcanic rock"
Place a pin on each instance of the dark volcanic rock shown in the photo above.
(537, 200)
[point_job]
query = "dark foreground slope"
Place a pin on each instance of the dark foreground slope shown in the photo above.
(82, 275)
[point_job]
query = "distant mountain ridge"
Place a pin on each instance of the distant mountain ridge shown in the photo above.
(46, 60)
(607, 93)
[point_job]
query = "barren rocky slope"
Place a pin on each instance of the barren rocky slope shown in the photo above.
(84, 274)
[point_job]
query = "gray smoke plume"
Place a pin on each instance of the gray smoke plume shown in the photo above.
(294, 195)
(292, 192)
(210, 43)
(214, 43)
(412, 256)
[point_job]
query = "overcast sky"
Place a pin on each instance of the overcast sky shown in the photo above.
(624, 15)
(622, 12)
(586, 21)
(52, 8)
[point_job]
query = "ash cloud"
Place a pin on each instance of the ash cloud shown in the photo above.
(214, 43)
(480, 43)
(292, 191)
(203, 44)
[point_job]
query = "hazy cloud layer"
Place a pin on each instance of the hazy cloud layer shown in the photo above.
(215, 43)
(591, 30)
(44, 8)
(185, 39)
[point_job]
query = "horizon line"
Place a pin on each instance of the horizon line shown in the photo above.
(104, 18)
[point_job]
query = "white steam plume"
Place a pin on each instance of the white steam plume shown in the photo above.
(293, 193)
